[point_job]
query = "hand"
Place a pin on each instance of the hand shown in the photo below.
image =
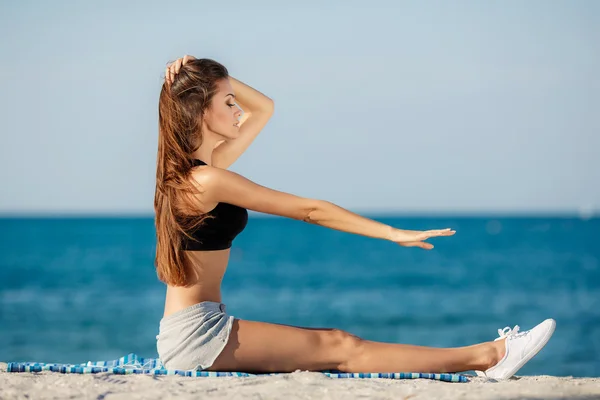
(173, 69)
(416, 238)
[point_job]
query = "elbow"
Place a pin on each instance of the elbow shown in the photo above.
(315, 212)
(267, 106)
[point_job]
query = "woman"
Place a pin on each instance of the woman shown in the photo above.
(200, 208)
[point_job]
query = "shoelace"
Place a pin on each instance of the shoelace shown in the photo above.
(509, 333)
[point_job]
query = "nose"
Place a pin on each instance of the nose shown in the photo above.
(238, 112)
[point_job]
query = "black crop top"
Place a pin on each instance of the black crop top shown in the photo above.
(217, 233)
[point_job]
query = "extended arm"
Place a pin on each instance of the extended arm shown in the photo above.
(228, 187)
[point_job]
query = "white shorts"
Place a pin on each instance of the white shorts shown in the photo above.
(193, 338)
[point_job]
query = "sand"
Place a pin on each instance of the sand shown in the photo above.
(297, 385)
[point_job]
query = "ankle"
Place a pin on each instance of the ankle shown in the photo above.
(499, 351)
(492, 354)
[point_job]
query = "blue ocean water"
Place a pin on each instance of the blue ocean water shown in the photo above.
(80, 289)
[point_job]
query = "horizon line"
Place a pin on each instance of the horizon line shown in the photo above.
(587, 214)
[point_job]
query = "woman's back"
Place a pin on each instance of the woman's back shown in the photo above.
(204, 272)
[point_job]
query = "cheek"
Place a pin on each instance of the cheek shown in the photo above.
(216, 120)
(225, 116)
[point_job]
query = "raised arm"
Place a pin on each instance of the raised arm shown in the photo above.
(222, 186)
(258, 109)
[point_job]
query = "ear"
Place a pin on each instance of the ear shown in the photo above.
(205, 119)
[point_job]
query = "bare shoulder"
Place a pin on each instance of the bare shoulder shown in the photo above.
(212, 180)
(200, 178)
(202, 175)
(219, 185)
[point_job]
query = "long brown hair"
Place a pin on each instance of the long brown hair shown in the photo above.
(181, 108)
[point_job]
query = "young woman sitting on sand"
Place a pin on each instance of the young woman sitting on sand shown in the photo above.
(200, 208)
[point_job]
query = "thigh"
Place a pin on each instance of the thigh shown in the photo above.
(264, 347)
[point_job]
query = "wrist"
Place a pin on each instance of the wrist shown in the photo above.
(392, 233)
(398, 235)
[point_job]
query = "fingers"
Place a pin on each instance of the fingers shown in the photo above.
(418, 240)
(174, 67)
(167, 76)
(177, 65)
(171, 74)
(187, 58)
(423, 245)
(435, 233)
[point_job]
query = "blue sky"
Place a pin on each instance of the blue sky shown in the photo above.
(385, 106)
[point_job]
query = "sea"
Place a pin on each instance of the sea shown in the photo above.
(77, 289)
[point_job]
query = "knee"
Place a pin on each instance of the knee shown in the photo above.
(346, 345)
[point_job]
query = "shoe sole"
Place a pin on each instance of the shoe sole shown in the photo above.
(532, 353)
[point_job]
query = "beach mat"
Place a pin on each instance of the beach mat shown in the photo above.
(133, 364)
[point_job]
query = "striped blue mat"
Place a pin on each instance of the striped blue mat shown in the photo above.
(133, 364)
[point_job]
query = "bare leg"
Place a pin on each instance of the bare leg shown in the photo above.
(263, 347)
(387, 357)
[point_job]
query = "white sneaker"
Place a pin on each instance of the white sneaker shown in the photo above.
(520, 348)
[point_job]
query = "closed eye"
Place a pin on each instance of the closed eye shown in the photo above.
(231, 105)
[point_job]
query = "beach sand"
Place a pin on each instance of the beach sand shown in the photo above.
(297, 385)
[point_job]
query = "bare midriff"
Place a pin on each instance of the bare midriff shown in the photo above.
(204, 274)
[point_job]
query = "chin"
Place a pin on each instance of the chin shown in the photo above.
(235, 133)
(231, 135)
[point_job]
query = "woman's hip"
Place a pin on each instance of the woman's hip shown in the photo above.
(193, 337)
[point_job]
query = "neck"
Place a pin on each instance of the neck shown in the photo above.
(204, 152)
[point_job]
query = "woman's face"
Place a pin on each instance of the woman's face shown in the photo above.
(222, 116)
